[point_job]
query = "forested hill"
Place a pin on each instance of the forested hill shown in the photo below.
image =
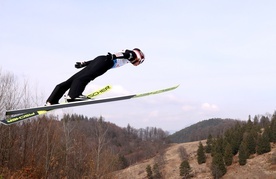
(201, 130)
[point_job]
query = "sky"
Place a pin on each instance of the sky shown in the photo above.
(221, 53)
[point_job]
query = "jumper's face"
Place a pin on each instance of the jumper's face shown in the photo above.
(136, 63)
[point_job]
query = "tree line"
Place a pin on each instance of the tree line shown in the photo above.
(73, 147)
(202, 129)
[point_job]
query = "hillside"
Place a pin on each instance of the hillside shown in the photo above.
(201, 130)
(259, 166)
(73, 147)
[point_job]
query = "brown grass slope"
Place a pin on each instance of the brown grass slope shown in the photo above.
(258, 166)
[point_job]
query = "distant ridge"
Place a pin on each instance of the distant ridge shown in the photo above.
(201, 130)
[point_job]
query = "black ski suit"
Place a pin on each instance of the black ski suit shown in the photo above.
(78, 82)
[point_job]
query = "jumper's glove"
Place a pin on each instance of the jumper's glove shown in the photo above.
(130, 55)
(80, 64)
(110, 56)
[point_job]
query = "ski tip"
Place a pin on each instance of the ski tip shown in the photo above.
(176, 86)
(156, 92)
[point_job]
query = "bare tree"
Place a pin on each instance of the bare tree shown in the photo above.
(183, 153)
(68, 127)
(9, 92)
(9, 99)
(101, 141)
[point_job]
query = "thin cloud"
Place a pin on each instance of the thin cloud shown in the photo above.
(187, 108)
(209, 107)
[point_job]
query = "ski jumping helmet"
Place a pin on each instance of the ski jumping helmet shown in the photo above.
(140, 55)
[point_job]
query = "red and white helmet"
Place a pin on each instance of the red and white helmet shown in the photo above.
(140, 55)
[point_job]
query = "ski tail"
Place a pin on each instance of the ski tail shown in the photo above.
(24, 116)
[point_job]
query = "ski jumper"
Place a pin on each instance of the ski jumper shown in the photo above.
(78, 81)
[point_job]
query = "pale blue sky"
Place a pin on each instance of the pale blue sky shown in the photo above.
(222, 53)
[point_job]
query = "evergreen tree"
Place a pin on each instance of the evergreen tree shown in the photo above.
(149, 172)
(185, 169)
(236, 141)
(156, 172)
(263, 144)
(218, 146)
(249, 124)
(218, 167)
(256, 127)
(228, 137)
(201, 158)
(256, 120)
(228, 156)
(237, 134)
(273, 128)
(209, 142)
(243, 154)
(251, 142)
(122, 162)
(264, 121)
